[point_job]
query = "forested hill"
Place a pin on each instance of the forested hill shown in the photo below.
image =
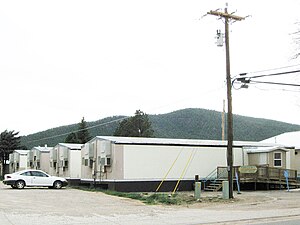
(185, 123)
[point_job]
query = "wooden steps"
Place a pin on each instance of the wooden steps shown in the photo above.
(214, 185)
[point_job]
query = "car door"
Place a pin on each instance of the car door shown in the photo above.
(41, 179)
(27, 177)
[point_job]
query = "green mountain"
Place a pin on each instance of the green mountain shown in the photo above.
(186, 123)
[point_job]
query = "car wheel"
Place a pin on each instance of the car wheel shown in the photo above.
(20, 184)
(57, 184)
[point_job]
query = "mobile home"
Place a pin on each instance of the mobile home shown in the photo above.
(38, 158)
(65, 160)
(292, 139)
(18, 160)
(127, 163)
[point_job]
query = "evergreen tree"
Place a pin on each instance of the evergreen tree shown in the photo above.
(9, 141)
(71, 138)
(83, 134)
(137, 126)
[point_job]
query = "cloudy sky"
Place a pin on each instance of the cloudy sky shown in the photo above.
(67, 59)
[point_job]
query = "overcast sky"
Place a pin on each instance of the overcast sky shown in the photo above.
(64, 60)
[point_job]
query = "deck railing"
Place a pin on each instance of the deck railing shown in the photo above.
(263, 172)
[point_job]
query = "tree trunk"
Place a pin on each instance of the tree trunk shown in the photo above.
(2, 169)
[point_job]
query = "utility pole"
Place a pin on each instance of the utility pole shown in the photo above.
(228, 17)
(223, 121)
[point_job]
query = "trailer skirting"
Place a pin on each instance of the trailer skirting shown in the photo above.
(140, 186)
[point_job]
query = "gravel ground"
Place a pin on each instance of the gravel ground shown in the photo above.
(42, 206)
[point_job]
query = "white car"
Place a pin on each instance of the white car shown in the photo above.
(31, 178)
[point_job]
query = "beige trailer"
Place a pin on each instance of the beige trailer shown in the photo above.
(126, 162)
(39, 158)
(18, 160)
(65, 160)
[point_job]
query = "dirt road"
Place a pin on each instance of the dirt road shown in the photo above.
(36, 206)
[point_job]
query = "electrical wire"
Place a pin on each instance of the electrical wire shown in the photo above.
(276, 83)
(274, 89)
(88, 128)
(278, 68)
(273, 74)
(113, 121)
(249, 79)
(259, 76)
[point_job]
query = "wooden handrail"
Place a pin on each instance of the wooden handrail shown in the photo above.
(263, 173)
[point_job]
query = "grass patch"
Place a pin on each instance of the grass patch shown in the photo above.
(148, 198)
(179, 198)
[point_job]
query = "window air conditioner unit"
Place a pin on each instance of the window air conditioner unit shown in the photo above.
(91, 150)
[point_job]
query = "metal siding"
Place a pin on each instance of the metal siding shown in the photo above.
(74, 168)
(116, 170)
(153, 162)
(45, 161)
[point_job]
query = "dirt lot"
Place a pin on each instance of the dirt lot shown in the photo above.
(70, 206)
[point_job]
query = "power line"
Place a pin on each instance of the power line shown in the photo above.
(103, 124)
(276, 83)
(275, 89)
(278, 68)
(268, 75)
(88, 128)
(248, 80)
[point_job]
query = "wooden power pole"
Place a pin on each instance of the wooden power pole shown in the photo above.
(223, 121)
(227, 18)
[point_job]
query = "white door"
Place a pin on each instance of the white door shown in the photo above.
(27, 177)
(263, 158)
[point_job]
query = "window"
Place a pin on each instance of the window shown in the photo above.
(65, 163)
(108, 161)
(277, 159)
(26, 173)
(38, 174)
(91, 162)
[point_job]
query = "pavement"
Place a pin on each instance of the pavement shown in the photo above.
(36, 206)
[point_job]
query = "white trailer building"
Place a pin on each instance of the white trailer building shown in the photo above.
(140, 164)
(65, 160)
(38, 158)
(18, 160)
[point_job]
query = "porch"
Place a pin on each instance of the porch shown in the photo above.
(254, 177)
